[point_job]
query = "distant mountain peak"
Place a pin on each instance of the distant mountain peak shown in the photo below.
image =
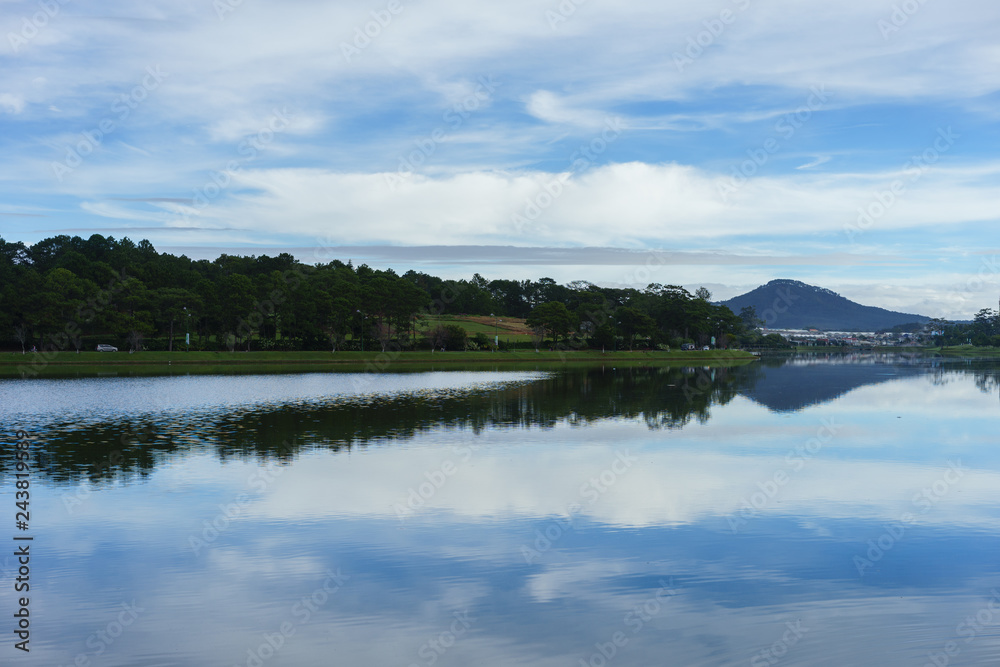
(787, 282)
(792, 304)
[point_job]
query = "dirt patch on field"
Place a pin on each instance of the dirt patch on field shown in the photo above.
(513, 325)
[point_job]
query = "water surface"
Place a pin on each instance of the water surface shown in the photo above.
(818, 511)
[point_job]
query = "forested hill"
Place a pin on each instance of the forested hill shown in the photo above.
(66, 292)
(790, 304)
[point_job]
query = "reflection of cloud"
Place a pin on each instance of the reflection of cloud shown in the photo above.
(462, 551)
(248, 564)
(176, 398)
(670, 487)
(572, 580)
(682, 477)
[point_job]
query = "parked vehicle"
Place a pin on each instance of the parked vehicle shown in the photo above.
(101, 347)
(706, 348)
(687, 346)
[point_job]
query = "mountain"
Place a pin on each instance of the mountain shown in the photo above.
(790, 304)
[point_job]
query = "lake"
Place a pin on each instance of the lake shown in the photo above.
(812, 510)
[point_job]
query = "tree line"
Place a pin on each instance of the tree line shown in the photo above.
(983, 330)
(68, 293)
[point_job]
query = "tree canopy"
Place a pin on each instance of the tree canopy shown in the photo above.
(64, 292)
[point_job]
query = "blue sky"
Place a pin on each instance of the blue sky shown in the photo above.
(850, 145)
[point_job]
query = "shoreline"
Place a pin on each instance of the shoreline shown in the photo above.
(334, 358)
(31, 364)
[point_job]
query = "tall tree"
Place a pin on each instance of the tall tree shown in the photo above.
(633, 324)
(554, 318)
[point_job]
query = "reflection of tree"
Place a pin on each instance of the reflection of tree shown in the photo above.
(125, 450)
(662, 398)
(985, 375)
(987, 383)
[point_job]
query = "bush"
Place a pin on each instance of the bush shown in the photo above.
(448, 336)
(481, 342)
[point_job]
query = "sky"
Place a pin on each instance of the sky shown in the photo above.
(723, 143)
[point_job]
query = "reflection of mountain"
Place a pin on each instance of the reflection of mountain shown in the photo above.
(805, 381)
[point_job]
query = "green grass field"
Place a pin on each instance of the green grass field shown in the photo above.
(510, 329)
(14, 364)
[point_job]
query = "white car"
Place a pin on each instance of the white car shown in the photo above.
(106, 348)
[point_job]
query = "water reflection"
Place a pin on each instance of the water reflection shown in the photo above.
(103, 428)
(590, 517)
(131, 440)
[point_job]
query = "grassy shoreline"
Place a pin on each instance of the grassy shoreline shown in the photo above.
(224, 358)
(16, 364)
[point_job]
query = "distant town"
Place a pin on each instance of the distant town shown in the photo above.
(815, 337)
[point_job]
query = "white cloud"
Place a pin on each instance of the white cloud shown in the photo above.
(549, 107)
(628, 205)
(356, 118)
(12, 104)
